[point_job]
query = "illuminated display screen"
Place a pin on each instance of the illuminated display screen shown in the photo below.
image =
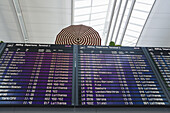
(116, 76)
(161, 57)
(36, 74)
(67, 75)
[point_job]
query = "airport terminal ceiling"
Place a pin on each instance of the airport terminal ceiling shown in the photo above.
(126, 22)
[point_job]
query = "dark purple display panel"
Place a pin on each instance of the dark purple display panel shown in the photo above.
(117, 76)
(161, 57)
(36, 74)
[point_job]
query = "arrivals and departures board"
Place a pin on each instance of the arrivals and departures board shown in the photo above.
(161, 57)
(36, 74)
(72, 75)
(117, 76)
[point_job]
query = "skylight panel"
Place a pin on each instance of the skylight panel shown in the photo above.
(134, 27)
(84, 23)
(139, 13)
(82, 3)
(98, 27)
(82, 11)
(138, 19)
(132, 33)
(121, 25)
(100, 2)
(82, 18)
(99, 9)
(98, 15)
(142, 7)
(96, 22)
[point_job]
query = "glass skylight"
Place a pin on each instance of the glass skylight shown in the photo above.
(141, 11)
(122, 24)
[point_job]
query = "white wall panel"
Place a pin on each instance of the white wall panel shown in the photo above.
(65, 4)
(41, 15)
(44, 19)
(159, 21)
(157, 29)
(9, 27)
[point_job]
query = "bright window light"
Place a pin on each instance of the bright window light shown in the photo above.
(98, 14)
(82, 11)
(82, 3)
(81, 18)
(100, 2)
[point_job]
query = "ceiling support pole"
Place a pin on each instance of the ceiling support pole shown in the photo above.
(127, 21)
(20, 19)
(110, 23)
(72, 11)
(124, 10)
(117, 15)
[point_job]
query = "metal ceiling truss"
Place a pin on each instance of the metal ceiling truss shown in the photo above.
(20, 19)
(122, 17)
(127, 21)
(120, 20)
(111, 18)
(114, 22)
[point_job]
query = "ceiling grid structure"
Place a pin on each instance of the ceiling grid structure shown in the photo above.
(128, 32)
(94, 13)
(140, 14)
(111, 18)
(127, 21)
(122, 19)
(115, 21)
(42, 20)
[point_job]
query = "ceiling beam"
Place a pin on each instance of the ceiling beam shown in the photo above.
(110, 23)
(20, 19)
(72, 11)
(127, 21)
(121, 20)
(115, 21)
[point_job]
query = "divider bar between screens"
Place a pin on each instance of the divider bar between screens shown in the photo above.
(76, 75)
(2, 46)
(73, 77)
(157, 74)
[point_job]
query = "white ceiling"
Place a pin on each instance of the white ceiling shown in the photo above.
(44, 19)
(9, 28)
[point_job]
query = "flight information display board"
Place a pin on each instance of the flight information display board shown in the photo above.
(117, 76)
(161, 57)
(36, 74)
